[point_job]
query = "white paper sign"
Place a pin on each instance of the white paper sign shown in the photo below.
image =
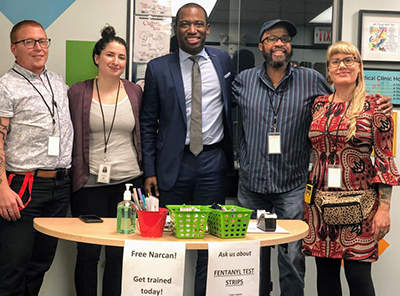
(151, 38)
(153, 268)
(154, 7)
(233, 269)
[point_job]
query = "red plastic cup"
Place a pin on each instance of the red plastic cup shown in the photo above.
(151, 224)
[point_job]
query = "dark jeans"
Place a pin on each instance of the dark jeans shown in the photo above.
(200, 182)
(291, 263)
(101, 201)
(358, 275)
(25, 254)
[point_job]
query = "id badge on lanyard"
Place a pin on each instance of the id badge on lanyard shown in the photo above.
(274, 143)
(104, 173)
(334, 176)
(53, 148)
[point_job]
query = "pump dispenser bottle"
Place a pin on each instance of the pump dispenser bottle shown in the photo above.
(126, 213)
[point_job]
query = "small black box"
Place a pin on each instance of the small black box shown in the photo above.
(267, 222)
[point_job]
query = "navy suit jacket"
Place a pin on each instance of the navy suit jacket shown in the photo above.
(163, 120)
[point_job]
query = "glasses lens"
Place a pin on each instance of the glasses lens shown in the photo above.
(44, 42)
(286, 39)
(272, 39)
(334, 63)
(29, 43)
(348, 61)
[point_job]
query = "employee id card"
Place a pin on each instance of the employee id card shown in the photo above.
(53, 148)
(274, 143)
(334, 177)
(104, 173)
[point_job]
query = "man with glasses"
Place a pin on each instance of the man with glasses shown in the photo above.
(275, 100)
(35, 156)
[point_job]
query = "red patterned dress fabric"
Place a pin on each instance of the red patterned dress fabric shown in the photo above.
(328, 131)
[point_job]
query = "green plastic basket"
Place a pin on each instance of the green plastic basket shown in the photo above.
(188, 224)
(229, 224)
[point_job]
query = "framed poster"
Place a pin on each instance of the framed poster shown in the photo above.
(384, 82)
(378, 36)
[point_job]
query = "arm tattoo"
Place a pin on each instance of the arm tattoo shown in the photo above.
(4, 124)
(3, 131)
(385, 193)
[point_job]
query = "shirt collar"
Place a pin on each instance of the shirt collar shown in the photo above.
(183, 56)
(26, 72)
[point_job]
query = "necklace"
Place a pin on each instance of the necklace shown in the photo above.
(106, 139)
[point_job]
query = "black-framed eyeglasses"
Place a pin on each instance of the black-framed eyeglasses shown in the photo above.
(31, 43)
(348, 61)
(274, 39)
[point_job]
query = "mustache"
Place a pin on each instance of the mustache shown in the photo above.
(277, 64)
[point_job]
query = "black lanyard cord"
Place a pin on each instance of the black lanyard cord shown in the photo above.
(104, 120)
(327, 133)
(53, 103)
(275, 111)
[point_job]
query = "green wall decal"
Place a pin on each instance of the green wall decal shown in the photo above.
(79, 62)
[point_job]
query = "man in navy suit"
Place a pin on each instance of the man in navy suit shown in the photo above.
(176, 174)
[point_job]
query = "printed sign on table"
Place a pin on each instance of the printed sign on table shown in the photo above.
(151, 38)
(233, 269)
(153, 268)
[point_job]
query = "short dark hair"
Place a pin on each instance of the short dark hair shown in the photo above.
(107, 35)
(190, 5)
(20, 25)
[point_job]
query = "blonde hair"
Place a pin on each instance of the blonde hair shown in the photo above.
(358, 96)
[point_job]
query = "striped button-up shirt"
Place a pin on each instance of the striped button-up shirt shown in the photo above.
(292, 99)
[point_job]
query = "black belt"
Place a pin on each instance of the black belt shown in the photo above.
(58, 174)
(206, 147)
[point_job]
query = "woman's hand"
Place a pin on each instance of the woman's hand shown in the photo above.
(381, 221)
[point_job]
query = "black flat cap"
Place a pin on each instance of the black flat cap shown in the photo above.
(289, 26)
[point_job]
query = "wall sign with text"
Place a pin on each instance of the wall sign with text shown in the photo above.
(384, 82)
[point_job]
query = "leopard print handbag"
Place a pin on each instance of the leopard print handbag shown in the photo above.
(345, 207)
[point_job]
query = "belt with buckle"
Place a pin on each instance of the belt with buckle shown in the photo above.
(206, 147)
(58, 174)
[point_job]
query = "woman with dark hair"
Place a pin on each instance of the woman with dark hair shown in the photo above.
(105, 115)
(350, 214)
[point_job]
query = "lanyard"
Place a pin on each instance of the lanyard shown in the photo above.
(53, 102)
(332, 155)
(104, 120)
(275, 111)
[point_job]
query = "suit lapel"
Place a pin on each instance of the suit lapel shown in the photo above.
(218, 67)
(176, 74)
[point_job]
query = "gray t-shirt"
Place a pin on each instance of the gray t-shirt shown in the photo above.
(31, 124)
(121, 153)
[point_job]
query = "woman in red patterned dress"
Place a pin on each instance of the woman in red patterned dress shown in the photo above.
(346, 126)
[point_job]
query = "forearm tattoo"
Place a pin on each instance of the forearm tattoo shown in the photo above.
(3, 134)
(385, 193)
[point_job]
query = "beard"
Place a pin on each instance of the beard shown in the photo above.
(276, 64)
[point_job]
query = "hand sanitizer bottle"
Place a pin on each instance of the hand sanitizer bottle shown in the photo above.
(126, 213)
